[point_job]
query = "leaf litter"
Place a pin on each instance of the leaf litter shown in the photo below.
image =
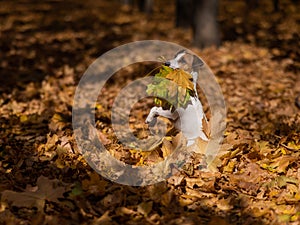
(45, 180)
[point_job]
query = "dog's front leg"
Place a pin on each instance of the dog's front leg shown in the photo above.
(159, 111)
(151, 116)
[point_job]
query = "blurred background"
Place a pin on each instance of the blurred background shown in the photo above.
(40, 37)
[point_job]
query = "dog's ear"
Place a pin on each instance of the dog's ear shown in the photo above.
(187, 59)
(179, 54)
(197, 63)
(183, 60)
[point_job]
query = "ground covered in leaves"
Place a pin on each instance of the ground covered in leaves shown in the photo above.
(45, 48)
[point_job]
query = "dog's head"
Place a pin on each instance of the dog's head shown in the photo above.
(186, 61)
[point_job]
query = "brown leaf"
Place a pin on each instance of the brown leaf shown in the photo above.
(95, 184)
(112, 200)
(145, 208)
(156, 191)
(175, 180)
(103, 220)
(250, 179)
(167, 148)
(219, 221)
(104, 140)
(58, 122)
(279, 164)
(46, 190)
(205, 184)
(166, 198)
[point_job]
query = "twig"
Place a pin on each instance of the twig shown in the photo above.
(289, 148)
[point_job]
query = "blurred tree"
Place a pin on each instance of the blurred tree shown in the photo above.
(201, 15)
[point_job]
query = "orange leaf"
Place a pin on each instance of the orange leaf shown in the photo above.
(182, 78)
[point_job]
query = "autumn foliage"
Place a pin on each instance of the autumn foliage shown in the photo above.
(45, 48)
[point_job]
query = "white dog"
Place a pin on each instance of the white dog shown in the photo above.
(188, 120)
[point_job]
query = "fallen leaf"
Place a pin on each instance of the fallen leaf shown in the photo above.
(94, 184)
(105, 219)
(166, 198)
(279, 164)
(145, 208)
(167, 148)
(104, 140)
(48, 190)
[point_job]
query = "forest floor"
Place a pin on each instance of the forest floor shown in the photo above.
(45, 48)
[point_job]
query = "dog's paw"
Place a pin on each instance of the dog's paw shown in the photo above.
(152, 122)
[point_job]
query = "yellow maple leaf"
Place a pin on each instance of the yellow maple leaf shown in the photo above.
(182, 78)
